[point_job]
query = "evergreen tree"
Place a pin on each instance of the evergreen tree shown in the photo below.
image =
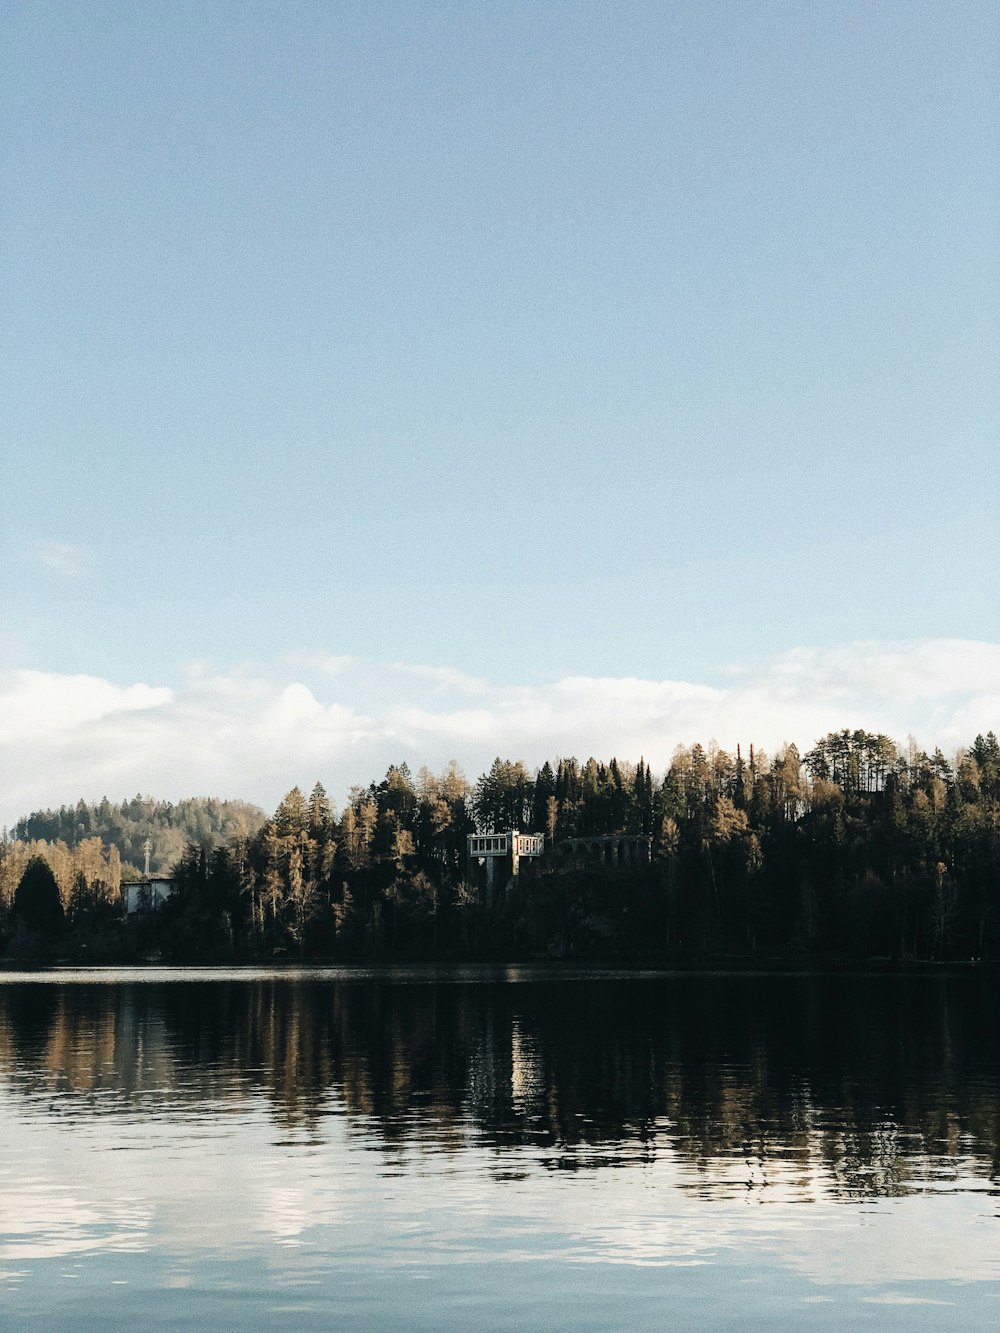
(37, 903)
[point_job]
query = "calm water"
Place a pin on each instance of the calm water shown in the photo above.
(527, 1150)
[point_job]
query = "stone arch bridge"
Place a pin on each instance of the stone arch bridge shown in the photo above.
(617, 849)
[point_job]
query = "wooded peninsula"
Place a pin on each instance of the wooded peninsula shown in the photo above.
(857, 849)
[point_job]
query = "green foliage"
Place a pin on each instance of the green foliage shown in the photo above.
(205, 821)
(37, 904)
(857, 849)
(504, 797)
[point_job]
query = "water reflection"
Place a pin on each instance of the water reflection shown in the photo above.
(808, 1087)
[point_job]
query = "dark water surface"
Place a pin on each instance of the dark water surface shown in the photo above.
(527, 1150)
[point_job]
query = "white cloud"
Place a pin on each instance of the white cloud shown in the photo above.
(35, 705)
(331, 664)
(910, 672)
(66, 560)
(254, 731)
(445, 678)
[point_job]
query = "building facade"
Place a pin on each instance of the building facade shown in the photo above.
(146, 894)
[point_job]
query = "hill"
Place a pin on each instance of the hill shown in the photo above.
(204, 820)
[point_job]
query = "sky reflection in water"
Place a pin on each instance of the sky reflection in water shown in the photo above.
(550, 1151)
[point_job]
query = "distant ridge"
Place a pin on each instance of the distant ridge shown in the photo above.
(170, 827)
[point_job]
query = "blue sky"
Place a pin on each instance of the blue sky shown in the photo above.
(525, 341)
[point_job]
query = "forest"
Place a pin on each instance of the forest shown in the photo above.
(856, 849)
(127, 825)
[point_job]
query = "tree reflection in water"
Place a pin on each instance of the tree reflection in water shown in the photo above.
(843, 1086)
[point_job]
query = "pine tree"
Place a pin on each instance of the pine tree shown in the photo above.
(36, 900)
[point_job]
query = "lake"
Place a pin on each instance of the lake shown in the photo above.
(523, 1148)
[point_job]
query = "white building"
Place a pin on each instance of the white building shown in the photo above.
(505, 849)
(145, 895)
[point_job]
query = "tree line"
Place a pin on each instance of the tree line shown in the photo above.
(128, 825)
(857, 848)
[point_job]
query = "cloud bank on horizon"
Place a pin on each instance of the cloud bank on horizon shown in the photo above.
(256, 731)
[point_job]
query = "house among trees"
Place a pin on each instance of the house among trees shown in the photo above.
(856, 849)
(505, 849)
(147, 894)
